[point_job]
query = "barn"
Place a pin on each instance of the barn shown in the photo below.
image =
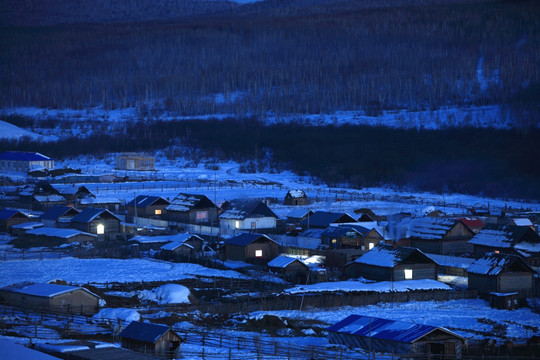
(52, 297)
(395, 337)
(152, 339)
(501, 273)
(387, 263)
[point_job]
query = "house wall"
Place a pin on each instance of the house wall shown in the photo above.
(270, 250)
(516, 281)
(5, 225)
(228, 226)
(374, 272)
(77, 301)
(420, 271)
(459, 231)
(456, 247)
(24, 166)
(429, 246)
(483, 283)
(235, 252)
(111, 226)
(149, 211)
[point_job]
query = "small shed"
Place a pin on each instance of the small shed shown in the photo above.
(387, 263)
(183, 244)
(156, 339)
(291, 268)
(504, 301)
(396, 337)
(147, 206)
(52, 297)
(251, 247)
(501, 273)
(21, 229)
(96, 221)
(296, 198)
(9, 217)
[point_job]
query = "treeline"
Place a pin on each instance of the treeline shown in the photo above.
(414, 57)
(499, 163)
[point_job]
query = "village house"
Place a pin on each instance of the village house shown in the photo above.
(510, 239)
(9, 217)
(22, 162)
(501, 273)
(443, 236)
(21, 229)
(377, 335)
(97, 221)
(323, 219)
(192, 209)
(58, 216)
(248, 214)
(183, 245)
(291, 268)
(294, 218)
(150, 338)
(135, 161)
(338, 237)
(147, 206)
(387, 263)
(474, 223)
(251, 248)
(112, 204)
(52, 297)
(296, 198)
(58, 236)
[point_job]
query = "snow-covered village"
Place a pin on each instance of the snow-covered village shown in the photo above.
(269, 179)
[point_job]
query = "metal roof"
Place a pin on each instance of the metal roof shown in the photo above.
(56, 212)
(23, 156)
(244, 239)
(146, 332)
(88, 214)
(143, 201)
(247, 208)
(324, 219)
(384, 329)
(385, 255)
(8, 213)
(283, 261)
(493, 264)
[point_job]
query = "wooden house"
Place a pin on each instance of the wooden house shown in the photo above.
(21, 229)
(396, 337)
(323, 219)
(44, 202)
(149, 338)
(192, 209)
(510, 239)
(443, 236)
(474, 223)
(184, 245)
(501, 273)
(52, 297)
(504, 301)
(71, 193)
(147, 206)
(9, 217)
(112, 204)
(296, 198)
(338, 237)
(387, 263)
(291, 268)
(251, 248)
(242, 215)
(97, 221)
(135, 161)
(58, 216)
(22, 161)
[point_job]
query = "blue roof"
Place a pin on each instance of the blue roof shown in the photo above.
(384, 329)
(23, 156)
(323, 219)
(146, 332)
(56, 211)
(143, 201)
(8, 213)
(88, 214)
(244, 239)
(339, 231)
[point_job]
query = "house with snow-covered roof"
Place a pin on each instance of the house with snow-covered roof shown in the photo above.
(510, 239)
(246, 214)
(395, 337)
(96, 221)
(501, 273)
(296, 198)
(388, 263)
(323, 219)
(251, 248)
(23, 161)
(10, 217)
(147, 206)
(58, 236)
(58, 216)
(338, 237)
(291, 268)
(437, 235)
(52, 297)
(156, 339)
(192, 209)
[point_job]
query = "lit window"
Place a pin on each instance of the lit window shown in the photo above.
(496, 251)
(100, 229)
(157, 212)
(253, 224)
(201, 216)
(334, 241)
(258, 253)
(237, 224)
(371, 245)
(408, 274)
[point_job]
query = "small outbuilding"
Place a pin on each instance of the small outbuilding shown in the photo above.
(291, 268)
(296, 198)
(52, 297)
(135, 161)
(57, 236)
(9, 217)
(251, 247)
(395, 337)
(147, 206)
(149, 338)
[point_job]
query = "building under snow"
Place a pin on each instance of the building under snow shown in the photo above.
(22, 161)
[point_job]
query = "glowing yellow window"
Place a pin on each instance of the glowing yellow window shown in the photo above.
(100, 229)
(157, 212)
(258, 253)
(408, 274)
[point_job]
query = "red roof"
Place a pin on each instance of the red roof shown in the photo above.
(472, 223)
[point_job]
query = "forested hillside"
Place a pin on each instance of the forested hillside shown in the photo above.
(333, 57)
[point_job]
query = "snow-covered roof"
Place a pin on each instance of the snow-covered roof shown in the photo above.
(28, 225)
(10, 350)
(146, 332)
(495, 263)
(185, 202)
(323, 219)
(8, 213)
(57, 211)
(299, 213)
(283, 261)
(522, 222)
(312, 233)
(89, 214)
(49, 198)
(339, 231)
(57, 232)
(244, 239)
(101, 200)
(247, 208)
(430, 227)
(164, 238)
(451, 261)
(175, 245)
(296, 193)
(385, 255)
(504, 236)
(44, 289)
(385, 329)
(143, 201)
